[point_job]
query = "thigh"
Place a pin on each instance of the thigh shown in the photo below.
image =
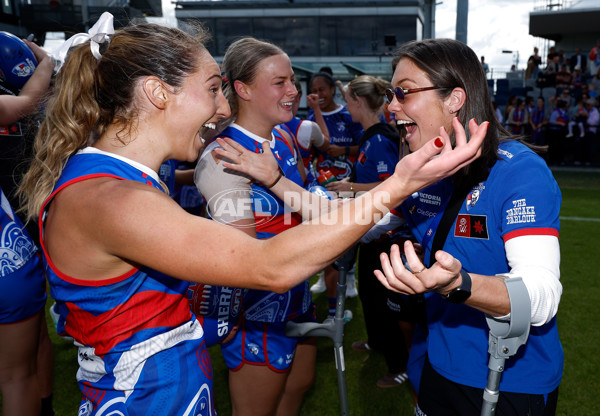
(302, 372)
(255, 390)
(18, 349)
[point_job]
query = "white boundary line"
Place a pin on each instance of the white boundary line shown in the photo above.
(580, 219)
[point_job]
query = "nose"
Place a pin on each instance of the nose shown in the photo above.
(394, 106)
(223, 108)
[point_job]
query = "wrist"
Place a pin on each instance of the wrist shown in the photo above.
(276, 180)
(347, 151)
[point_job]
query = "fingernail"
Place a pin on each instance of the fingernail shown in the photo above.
(474, 119)
(458, 120)
(439, 142)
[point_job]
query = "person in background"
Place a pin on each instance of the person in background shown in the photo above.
(533, 64)
(499, 228)
(379, 151)
(271, 377)
(538, 122)
(26, 351)
(485, 66)
(557, 132)
(119, 253)
(308, 135)
(518, 118)
(344, 135)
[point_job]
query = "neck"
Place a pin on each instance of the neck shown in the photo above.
(369, 121)
(132, 147)
(255, 125)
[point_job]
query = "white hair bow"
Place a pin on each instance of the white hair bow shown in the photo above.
(99, 33)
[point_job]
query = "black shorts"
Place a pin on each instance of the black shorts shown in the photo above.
(439, 396)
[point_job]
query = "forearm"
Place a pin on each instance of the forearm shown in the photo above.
(333, 232)
(14, 108)
(321, 122)
(307, 204)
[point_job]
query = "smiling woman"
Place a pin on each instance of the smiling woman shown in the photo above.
(119, 253)
(261, 91)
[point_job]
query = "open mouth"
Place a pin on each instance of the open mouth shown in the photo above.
(408, 126)
(206, 127)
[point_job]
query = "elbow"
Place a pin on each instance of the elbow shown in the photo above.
(545, 300)
(276, 280)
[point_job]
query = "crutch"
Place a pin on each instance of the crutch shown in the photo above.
(505, 338)
(332, 328)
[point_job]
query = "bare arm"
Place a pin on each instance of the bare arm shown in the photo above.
(313, 102)
(112, 235)
(13, 108)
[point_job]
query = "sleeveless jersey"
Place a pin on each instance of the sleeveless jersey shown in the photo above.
(141, 350)
(504, 206)
(22, 281)
(271, 218)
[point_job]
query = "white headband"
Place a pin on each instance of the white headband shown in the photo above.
(99, 33)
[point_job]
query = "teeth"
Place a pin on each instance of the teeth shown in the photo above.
(287, 104)
(210, 125)
(404, 122)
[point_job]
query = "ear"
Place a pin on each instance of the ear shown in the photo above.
(155, 92)
(455, 100)
(242, 90)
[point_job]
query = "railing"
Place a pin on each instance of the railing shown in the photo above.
(540, 5)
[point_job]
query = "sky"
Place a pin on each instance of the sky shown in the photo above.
(493, 26)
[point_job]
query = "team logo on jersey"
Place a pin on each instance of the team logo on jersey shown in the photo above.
(253, 348)
(472, 199)
(471, 226)
(85, 409)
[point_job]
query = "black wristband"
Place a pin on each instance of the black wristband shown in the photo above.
(276, 180)
(347, 150)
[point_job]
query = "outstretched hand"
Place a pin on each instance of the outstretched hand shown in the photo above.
(261, 166)
(418, 279)
(437, 159)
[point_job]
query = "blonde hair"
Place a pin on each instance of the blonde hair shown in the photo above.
(370, 88)
(91, 95)
(241, 62)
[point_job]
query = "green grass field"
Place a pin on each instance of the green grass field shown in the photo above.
(578, 325)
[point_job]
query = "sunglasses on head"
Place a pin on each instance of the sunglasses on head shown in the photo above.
(401, 93)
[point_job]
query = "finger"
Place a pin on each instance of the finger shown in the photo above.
(230, 146)
(447, 142)
(448, 261)
(266, 147)
(392, 279)
(413, 260)
(459, 132)
(382, 279)
(432, 148)
(473, 126)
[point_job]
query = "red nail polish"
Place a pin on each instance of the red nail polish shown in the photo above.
(475, 121)
(439, 142)
(458, 120)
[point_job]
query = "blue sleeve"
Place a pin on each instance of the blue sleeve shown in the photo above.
(531, 202)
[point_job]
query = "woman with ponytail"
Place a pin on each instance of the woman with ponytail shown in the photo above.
(119, 253)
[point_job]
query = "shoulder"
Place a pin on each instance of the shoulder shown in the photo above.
(518, 164)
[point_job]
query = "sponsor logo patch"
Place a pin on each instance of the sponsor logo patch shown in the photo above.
(471, 226)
